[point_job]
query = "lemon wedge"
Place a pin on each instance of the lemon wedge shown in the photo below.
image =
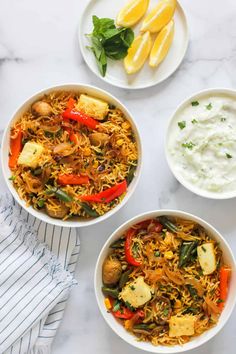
(138, 53)
(159, 16)
(132, 12)
(162, 44)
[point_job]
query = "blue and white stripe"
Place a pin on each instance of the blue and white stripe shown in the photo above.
(34, 286)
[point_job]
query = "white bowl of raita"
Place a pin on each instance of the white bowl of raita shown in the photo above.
(201, 143)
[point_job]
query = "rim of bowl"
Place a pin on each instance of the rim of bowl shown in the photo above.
(83, 88)
(191, 187)
(209, 334)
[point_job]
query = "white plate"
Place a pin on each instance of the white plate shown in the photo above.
(116, 74)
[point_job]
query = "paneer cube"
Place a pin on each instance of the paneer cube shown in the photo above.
(30, 154)
(94, 107)
(207, 258)
(136, 293)
(181, 326)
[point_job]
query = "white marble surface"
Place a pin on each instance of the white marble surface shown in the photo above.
(38, 48)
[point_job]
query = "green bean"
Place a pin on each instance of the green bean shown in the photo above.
(88, 210)
(187, 252)
(124, 278)
(192, 291)
(144, 326)
(168, 224)
(114, 293)
(130, 175)
(60, 194)
(117, 244)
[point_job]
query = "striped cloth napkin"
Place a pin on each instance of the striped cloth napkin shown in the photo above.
(34, 282)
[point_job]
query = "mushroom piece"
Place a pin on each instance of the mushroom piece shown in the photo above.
(41, 108)
(111, 271)
(58, 213)
(64, 149)
(99, 139)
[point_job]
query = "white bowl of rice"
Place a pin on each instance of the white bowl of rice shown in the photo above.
(61, 203)
(115, 308)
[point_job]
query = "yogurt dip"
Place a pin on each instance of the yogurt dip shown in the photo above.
(201, 143)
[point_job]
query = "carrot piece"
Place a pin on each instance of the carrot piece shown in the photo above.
(74, 138)
(70, 103)
(15, 148)
(224, 283)
(108, 303)
(65, 179)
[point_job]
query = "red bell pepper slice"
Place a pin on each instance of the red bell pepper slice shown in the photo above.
(72, 179)
(225, 273)
(128, 248)
(80, 117)
(108, 195)
(15, 148)
(124, 313)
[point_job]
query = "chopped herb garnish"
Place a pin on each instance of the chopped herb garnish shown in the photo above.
(41, 203)
(203, 248)
(157, 254)
(195, 103)
(223, 119)
(132, 287)
(182, 124)
(188, 145)
(130, 307)
(209, 106)
(166, 312)
(220, 301)
(12, 178)
(194, 121)
(116, 306)
(228, 156)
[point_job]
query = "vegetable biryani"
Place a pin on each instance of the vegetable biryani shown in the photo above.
(72, 155)
(165, 280)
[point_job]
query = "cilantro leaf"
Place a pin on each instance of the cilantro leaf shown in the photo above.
(182, 124)
(209, 106)
(194, 121)
(188, 145)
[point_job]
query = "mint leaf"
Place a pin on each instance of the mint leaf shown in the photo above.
(108, 41)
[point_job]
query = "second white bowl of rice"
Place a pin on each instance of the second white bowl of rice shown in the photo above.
(195, 342)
